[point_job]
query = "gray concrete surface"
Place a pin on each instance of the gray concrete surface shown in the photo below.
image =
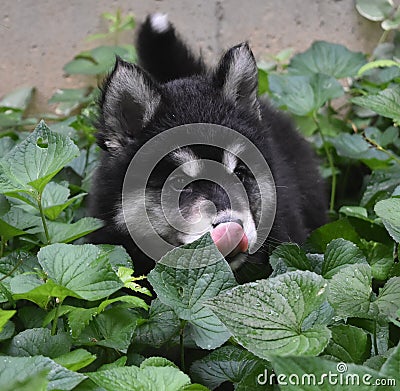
(39, 36)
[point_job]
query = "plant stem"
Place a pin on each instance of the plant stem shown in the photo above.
(375, 341)
(380, 148)
(331, 165)
(54, 325)
(43, 217)
(2, 245)
(182, 347)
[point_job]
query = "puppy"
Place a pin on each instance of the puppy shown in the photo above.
(171, 91)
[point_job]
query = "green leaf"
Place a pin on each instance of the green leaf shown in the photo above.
(18, 369)
(340, 253)
(18, 99)
(350, 292)
(389, 211)
(159, 327)
(31, 164)
(149, 378)
(98, 60)
(327, 58)
(82, 269)
(293, 92)
(39, 342)
(380, 185)
(267, 317)
(79, 318)
(288, 257)
(113, 329)
(383, 63)
(68, 232)
(388, 300)
(349, 344)
(5, 315)
(319, 239)
(37, 382)
(354, 146)
(390, 368)
(75, 360)
(385, 103)
(375, 10)
(303, 95)
(228, 363)
(185, 278)
(381, 260)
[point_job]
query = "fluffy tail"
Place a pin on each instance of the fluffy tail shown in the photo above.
(162, 53)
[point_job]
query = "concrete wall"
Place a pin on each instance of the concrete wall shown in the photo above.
(37, 37)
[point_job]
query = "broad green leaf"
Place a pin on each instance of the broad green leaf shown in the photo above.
(385, 138)
(350, 292)
(340, 253)
(5, 316)
(79, 318)
(267, 317)
(293, 92)
(31, 164)
(289, 256)
(389, 211)
(83, 269)
(390, 368)
(37, 382)
(385, 103)
(375, 10)
(76, 359)
(97, 61)
(381, 259)
(354, 146)
(316, 373)
(327, 58)
(126, 276)
(185, 278)
(149, 378)
(68, 232)
(354, 211)
(303, 95)
(321, 237)
(7, 330)
(18, 369)
(388, 300)
(39, 342)
(159, 327)
(349, 344)
(28, 287)
(18, 99)
(380, 185)
(113, 329)
(228, 363)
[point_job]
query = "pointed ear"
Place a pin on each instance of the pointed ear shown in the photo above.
(129, 100)
(237, 75)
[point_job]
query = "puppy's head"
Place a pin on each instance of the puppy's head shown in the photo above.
(193, 188)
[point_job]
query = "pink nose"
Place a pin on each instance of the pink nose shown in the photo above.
(230, 238)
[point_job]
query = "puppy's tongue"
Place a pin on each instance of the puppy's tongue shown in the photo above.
(230, 238)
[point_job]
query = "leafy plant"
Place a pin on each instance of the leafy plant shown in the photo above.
(73, 315)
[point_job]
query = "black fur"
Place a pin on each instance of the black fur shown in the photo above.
(183, 91)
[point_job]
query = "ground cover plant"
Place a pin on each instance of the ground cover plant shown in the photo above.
(73, 315)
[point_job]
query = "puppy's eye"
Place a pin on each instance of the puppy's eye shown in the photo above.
(241, 172)
(178, 183)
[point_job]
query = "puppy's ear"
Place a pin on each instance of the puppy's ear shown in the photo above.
(129, 100)
(237, 75)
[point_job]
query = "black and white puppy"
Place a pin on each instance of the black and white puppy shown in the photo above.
(172, 87)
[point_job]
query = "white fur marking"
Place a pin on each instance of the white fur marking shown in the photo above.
(159, 22)
(191, 164)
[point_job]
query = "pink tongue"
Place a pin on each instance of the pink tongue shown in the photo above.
(230, 238)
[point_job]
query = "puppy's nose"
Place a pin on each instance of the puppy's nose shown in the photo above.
(227, 220)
